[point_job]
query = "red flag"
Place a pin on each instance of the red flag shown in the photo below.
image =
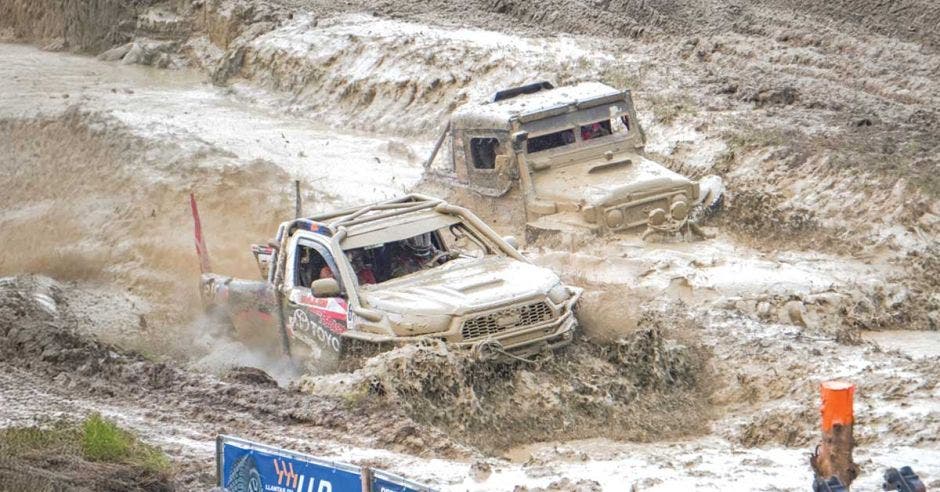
(200, 243)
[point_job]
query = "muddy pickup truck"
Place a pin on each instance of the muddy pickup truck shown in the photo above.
(394, 272)
(571, 157)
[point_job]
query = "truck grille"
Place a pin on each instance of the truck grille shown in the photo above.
(506, 319)
(640, 213)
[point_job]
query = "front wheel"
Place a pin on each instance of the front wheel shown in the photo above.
(320, 360)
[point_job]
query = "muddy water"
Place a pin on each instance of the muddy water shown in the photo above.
(179, 106)
(914, 343)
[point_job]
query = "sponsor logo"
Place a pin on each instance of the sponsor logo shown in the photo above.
(290, 481)
(300, 322)
(285, 473)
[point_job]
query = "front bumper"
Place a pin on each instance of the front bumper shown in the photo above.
(635, 213)
(527, 340)
(536, 338)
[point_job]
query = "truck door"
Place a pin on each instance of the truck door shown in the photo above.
(489, 162)
(317, 321)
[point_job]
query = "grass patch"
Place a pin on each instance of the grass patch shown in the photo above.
(95, 439)
(103, 440)
(19, 441)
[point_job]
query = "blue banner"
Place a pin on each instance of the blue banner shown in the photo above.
(387, 482)
(244, 466)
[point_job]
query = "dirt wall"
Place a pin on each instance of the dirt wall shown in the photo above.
(78, 25)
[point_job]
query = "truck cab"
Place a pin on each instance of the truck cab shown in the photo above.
(575, 154)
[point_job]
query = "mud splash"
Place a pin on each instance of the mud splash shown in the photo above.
(642, 387)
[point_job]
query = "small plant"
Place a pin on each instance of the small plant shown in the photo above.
(103, 440)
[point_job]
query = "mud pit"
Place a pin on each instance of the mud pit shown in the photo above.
(721, 392)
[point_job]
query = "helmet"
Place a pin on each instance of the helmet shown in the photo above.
(420, 245)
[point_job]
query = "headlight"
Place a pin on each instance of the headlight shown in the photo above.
(614, 218)
(411, 325)
(679, 210)
(559, 294)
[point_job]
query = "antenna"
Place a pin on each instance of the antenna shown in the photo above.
(297, 204)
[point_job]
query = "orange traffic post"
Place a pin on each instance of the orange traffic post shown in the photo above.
(833, 457)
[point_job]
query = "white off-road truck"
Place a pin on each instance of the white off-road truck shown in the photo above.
(571, 158)
(395, 272)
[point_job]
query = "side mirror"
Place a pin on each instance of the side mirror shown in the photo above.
(518, 141)
(325, 287)
(511, 240)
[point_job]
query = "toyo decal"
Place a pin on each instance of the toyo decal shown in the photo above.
(300, 322)
(331, 312)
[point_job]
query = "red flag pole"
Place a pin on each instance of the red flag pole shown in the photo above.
(201, 250)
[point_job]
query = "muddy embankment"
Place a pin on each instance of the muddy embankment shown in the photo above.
(44, 329)
(77, 25)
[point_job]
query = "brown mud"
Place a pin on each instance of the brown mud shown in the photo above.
(642, 387)
(822, 118)
(103, 219)
(39, 334)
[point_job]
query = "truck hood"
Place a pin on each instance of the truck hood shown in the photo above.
(601, 181)
(460, 286)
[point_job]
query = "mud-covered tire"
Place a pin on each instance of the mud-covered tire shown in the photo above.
(323, 360)
(716, 206)
(245, 476)
(713, 189)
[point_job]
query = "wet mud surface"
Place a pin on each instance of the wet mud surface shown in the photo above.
(41, 337)
(700, 362)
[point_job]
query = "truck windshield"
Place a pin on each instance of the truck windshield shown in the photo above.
(584, 125)
(382, 262)
(550, 141)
